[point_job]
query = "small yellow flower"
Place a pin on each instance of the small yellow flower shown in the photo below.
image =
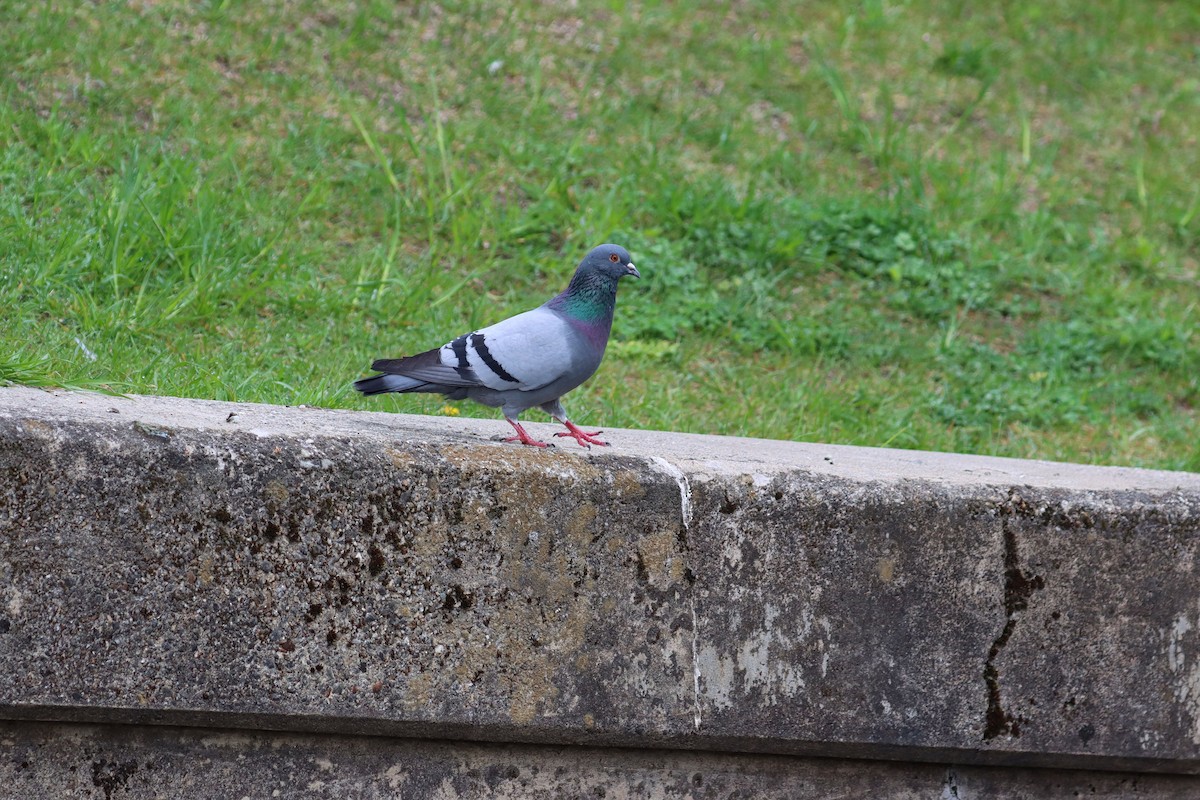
(449, 411)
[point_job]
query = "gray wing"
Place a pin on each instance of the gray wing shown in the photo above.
(522, 353)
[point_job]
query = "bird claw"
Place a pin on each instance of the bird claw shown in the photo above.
(523, 437)
(528, 441)
(582, 443)
(582, 437)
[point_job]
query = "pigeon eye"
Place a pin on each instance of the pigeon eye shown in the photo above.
(614, 258)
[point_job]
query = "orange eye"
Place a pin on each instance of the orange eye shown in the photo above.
(614, 258)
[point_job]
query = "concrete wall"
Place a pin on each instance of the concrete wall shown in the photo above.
(681, 600)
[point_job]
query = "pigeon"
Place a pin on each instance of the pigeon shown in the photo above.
(529, 360)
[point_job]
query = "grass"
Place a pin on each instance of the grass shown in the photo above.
(906, 224)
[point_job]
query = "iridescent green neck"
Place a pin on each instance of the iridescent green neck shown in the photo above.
(589, 298)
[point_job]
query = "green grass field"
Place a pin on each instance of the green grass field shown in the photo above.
(900, 224)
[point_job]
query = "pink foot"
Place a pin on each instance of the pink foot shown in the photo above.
(584, 438)
(523, 437)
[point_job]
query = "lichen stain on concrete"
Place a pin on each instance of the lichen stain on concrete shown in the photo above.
(527, 676)
(204, 568)
(1187, 690)
(417, 691)
(887, 569)
(663, 562)
(580, 524)
(275, 492)
(775, 677)
(752, 668)
(477, 515)
(541, 599)
(716, 677)
(396, 776)
(43, 431)
(628, 485)
(429, 541)
(519, 461)
(15, 601)
(731, 553)
(537, 688)
(402, 459)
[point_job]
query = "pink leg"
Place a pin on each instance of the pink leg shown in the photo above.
(584, 438)
(522, 436)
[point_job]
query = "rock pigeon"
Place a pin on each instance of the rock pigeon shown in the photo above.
(529, 360)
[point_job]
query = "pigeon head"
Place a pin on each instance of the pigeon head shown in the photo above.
(592, 294)
(609, 260)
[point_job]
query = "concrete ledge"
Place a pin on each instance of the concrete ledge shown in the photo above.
(226, 565)
(126, 762)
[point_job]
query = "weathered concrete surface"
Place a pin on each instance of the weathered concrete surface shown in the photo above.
(296, 569)
(126, 763)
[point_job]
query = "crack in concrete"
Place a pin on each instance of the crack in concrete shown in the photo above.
(1019, 586)
(685, 489)
(697, 716)
(685, 512)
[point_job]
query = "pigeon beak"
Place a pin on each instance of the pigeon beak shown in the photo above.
(630, 269)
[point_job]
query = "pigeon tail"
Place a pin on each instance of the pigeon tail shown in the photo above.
(423, 372)
(379, 384)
